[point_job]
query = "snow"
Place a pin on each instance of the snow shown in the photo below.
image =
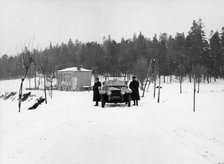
(69, 129)
(74, 69)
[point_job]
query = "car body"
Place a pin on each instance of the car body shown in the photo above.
(115, 91)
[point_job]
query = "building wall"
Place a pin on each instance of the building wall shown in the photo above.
(83, 79)
(73, 81)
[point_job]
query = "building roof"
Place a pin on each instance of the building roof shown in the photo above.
(74, 69)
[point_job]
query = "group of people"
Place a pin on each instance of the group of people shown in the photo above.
(134, 86)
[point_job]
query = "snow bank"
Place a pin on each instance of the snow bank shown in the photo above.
(69, 129)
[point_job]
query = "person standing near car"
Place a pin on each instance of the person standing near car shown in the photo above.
(96, 93)
(134, 85)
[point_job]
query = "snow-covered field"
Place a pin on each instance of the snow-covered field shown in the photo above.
(70, 130)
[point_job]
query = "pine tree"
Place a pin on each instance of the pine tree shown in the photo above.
(162, 56)
(215, 52)
(196, 43)
(197, 46)
(171, 54)
(180, 58)
(222, 52)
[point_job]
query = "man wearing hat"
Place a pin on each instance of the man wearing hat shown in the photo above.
(134, 85)
(96, 93)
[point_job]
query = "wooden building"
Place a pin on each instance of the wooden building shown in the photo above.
(73, 78)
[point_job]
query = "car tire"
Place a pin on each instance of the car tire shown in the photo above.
(129, 100)
(102, 102)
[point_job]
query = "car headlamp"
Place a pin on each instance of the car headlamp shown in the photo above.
(109, 92)
(122, 92)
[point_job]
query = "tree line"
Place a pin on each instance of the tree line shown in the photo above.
(180, 55)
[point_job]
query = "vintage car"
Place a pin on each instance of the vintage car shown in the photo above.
(115, 91)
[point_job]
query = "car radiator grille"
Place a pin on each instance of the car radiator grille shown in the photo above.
(116, 93)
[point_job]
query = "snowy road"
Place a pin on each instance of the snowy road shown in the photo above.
(69, 130)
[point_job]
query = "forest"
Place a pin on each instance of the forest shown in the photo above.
(181, 55)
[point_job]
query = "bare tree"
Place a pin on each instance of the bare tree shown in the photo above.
(50, 74)
(42, 63)
(194, 92)
(26, 59)
(180, 75)
(140, 70)
(198, 71)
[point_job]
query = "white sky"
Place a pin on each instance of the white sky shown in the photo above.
(40, 22)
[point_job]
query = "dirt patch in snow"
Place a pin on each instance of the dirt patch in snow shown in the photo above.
(39, 101)
(26, 96)
(7, 95)
(13, 96)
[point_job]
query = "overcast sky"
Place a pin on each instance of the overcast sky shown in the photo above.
(38, 22)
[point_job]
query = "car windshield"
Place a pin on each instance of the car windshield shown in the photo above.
(117, 83)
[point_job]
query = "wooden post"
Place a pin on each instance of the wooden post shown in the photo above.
(198, 85)
(170, 78)
(180, 85)
(158, 100)
(154, 92)
(147, 78)
(194, 94)
(45, 92)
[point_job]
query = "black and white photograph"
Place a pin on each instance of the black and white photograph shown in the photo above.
(111, 81)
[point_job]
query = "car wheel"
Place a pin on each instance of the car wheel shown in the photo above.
(129, 100)
(102, 102)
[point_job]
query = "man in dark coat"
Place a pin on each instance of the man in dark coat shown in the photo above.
(96, 94)
(134, 85)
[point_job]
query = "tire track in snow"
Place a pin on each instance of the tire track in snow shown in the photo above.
(171, 130)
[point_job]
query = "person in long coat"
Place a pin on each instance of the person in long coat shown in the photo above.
(134, 86)
(96, 93)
